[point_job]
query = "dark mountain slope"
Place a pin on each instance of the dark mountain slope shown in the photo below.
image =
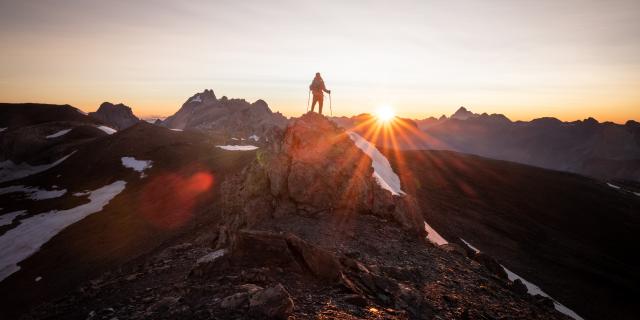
(24, 114)
(40, 133)
(572, 236)
(606, 151)
(167, 202)
(305, 230)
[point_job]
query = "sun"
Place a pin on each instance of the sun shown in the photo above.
(385, 114)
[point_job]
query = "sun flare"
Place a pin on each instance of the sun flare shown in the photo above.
(385, 114)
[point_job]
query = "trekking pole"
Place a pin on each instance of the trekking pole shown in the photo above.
(308, 99)
(330, 108)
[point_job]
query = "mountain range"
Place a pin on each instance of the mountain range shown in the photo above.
(229, 210)
(606, 151)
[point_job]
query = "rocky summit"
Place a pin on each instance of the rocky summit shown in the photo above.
(313, 168)
(117, 116)
(306, 231)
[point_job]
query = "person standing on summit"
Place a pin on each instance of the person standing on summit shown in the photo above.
(317, 87)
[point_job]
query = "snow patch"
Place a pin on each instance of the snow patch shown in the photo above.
(196, 99)
(107, 130)
(433, 236)
(637, 194)
(470, 246)
(532, 289)
(26, 239)
(80, 111)
(613, 186)
(34, 193)
(3, 129)
(153, 120)
(137, 165)
(237, 148)
(254, 138)
(58, 134)
(7, 218)
(11, 171)
(37, 279)
(82, 194)
(177, 130)
(382, 171)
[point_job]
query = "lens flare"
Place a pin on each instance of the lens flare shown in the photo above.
(168, 201)
(385, 114)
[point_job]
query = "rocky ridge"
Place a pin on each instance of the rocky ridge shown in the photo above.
(306, 231)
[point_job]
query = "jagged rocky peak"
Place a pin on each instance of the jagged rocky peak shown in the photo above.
(227, 117)
(590, 121)
(261, 106)
(463, 114)
(110, 107)
(118, 116)
(312, 167)
(206, 96)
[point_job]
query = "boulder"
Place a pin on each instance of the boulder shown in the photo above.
(262, 248)
(235, 300)
(273, 302)
(491, 264)
(518, 287)
(454, 248)
(207, 263)
(321, 263)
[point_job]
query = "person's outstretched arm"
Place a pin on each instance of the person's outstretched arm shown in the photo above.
(325, 88)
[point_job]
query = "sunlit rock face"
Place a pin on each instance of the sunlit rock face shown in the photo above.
(312, 167)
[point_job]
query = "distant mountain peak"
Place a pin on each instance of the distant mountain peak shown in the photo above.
(236, 117)
(591, 121)
(202, 97)
(119, 116)
(463, 114)
(108, 106)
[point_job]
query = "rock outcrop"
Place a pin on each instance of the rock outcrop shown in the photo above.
(117, 116)
(312, 167)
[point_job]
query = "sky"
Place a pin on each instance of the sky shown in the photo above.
(568, 59)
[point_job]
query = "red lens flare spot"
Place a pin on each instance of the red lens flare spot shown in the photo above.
(200, 182)
(168, 200)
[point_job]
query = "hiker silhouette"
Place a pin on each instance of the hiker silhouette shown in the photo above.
(317, 87)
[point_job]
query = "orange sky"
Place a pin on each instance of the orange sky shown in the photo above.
(569, 59)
